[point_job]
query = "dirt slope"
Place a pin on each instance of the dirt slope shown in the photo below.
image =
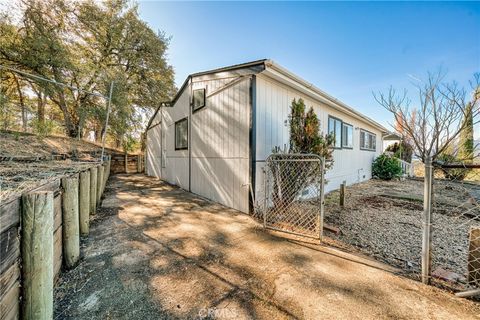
(19, 144)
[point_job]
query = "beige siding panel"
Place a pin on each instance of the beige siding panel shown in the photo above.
(176, 164)
(273, 107)
(153, 148)
(220, 144)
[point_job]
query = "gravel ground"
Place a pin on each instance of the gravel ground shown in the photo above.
(384, 219)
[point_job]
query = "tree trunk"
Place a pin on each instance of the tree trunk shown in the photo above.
(118, 142)
(98, 134)
(22, 104)
(40, 107)
(71, 128)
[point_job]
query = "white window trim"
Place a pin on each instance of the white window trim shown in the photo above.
(344, 124)
(368, 133)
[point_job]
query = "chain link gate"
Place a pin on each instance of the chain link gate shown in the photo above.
(294, 194)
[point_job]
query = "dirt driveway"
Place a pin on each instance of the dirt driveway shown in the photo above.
(157, 252)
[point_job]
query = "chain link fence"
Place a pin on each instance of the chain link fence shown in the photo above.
(426, 224)
(455, 239)
(293, 200)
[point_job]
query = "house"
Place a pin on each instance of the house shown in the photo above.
(391, 139)
(213, 138)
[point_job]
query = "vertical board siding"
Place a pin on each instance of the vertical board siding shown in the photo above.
(273, 108)
(220, 144)
(176, 165)
(153, 148)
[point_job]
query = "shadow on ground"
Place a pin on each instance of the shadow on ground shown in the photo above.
(156, 251)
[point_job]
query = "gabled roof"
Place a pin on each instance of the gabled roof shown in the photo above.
(260, 62)
(267, 65)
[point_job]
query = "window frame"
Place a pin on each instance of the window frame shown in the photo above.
(345, 124)
(175, 133)
(366, 135)
(334, 129)
(198, 108)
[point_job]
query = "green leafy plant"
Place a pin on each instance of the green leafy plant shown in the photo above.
(386, 167)
(43, 128)
(402, 150)
(292, 177)
(305, 135)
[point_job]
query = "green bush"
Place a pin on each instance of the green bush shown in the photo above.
(386, 167)
(43, 129)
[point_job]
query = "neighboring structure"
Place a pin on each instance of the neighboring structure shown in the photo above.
(215, 135)
(390, 139)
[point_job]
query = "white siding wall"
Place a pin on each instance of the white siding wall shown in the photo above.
(175, 170)
(273, 100)
(220, 144)
(153, 150)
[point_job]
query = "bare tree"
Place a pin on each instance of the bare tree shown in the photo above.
(434, 123)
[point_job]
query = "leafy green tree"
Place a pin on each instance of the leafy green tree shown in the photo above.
(88, 44)
(402, 150)
(290, 178)
(305, 136)
(466, 147)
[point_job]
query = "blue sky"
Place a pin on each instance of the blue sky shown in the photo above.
(346, 49)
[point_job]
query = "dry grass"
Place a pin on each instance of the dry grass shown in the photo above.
(16, 178)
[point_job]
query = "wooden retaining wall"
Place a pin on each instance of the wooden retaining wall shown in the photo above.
(10, 244)
(135, 163)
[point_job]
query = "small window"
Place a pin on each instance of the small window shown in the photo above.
(335, 128)
(368, 140)
(198, 99)
(347, 136)
(181, 134)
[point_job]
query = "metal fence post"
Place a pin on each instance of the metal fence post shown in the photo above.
(322, 200)
(427, 223)
(265, 197)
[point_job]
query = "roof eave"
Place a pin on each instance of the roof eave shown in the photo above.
(326, 97)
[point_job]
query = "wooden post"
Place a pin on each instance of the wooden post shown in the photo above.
(84, 205)
(93, 189)
(427, 221)
(104, 182)
(70, 227)
(473, 266)
(126, 162)
(109, 163)
(342, 194)
(99, 183)
(37, 255)
(139, 163)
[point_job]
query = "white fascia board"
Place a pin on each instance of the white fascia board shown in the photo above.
(281, 74)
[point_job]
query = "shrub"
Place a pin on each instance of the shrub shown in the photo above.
(386, 167)
(43, 128)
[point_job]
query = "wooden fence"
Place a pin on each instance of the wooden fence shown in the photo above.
(39, 235)
(134, 163)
